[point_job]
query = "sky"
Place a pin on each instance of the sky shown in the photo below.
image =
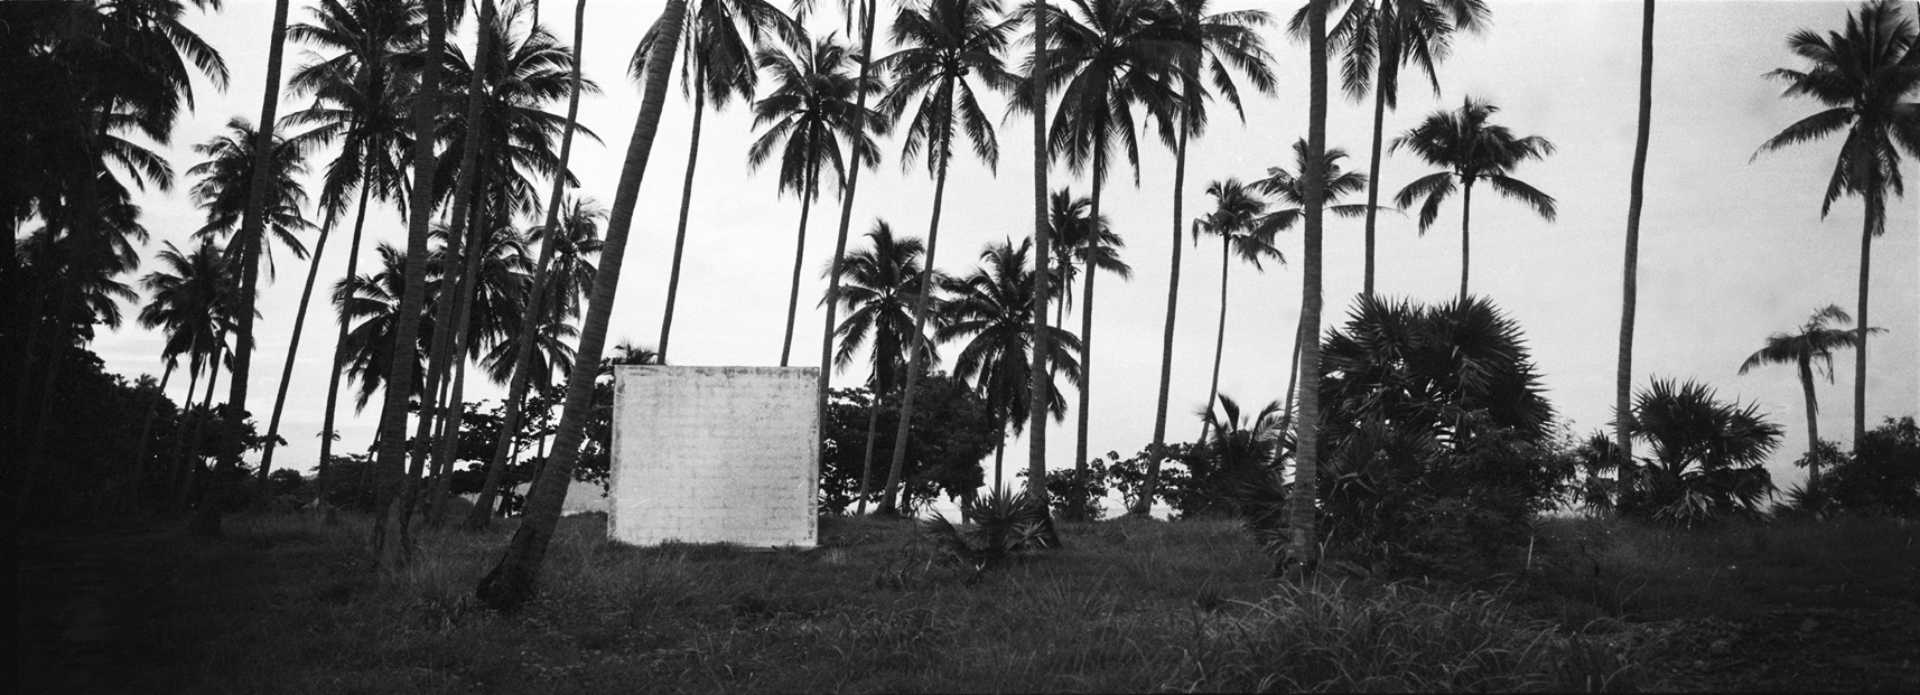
(1733, 247)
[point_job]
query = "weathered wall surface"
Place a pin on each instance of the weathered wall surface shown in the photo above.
(714, 455)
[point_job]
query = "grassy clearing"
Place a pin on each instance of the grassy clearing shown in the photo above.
(286, 605)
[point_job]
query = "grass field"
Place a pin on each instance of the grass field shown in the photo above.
(284, 604)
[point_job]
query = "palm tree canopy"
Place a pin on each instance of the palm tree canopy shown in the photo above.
(1814, 344)
(942, 44)
(373, 300)
(1080, 241)
(812, 114)
(992, 308)
(360, 93)
(577, 246)
(1289, 189)
(227, 175)
(1384, 36)
(1239, 217)
(1866, 74)
(1219, 44)
(878, 287)
(717, 44)
(192, 301)
(1106, 57)
(1471, 149)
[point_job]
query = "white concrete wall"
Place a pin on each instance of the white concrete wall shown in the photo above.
(714, 455)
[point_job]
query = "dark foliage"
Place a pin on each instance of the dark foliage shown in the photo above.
(951, 432)
(1003, 525)
(1064, 484)
(1882, 478)
(1706, 458)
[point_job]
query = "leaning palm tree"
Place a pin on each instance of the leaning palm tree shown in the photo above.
(191, 296)
(861, 12)
(1379, 38)
(991, 309)
(511, 582)
(716, 63)
(941, 46)
(810, 111)
(881, 283)
(1812, 347)
(1291, 192)
(1240, 220)
(1471, 150)
(1107, 58)
(1866, 76)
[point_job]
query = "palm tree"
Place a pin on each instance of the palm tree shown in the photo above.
(1289, 189)
(510, 583)
(1862, 74)
(809, 112)
(1239, 218)
(262, 198)
(717, 63)
(992, 309)
(529, 342)
(941, 47)
(358, 96)
(1116, 54)
(864, 12)
(491, 310)
(1377, 39)
(1471, 150)
(370, 304)
(190, 298)
(1037, 376)
(1302, 505)
(1814, 342)
(1216, 44)
(881, 284)
(1708, 457)
(1630, 267)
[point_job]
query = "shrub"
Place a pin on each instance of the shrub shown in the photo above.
(1064, 483)
(1004, 524)
(1707, 457)
(1881, 478)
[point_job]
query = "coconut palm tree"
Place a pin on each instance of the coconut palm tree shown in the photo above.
(991, 309)
(1379, 38)
(810, 111)
(862, 12)
(1079, 238)
(1035, 93)
(492, 309)
(370, 303)
(511, 582)
(1240, 220)
(1302, 506)
(1288, 188)
(1812, 347)
(1114, 55)
(191, 296)
(941, 47)
(1471, 150)
(881, 283)
(1630, 267)
(1865, 75)
(716, 49)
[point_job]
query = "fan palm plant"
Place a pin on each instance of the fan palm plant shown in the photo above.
(716, 48)
(942, 46)
(992, 309)
(1866, 76)
(1471, 150)
(810, 112)
(881, 283)
(1708, 458)
(1807, 350)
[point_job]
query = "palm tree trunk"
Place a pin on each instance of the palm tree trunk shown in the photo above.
(866, 464)
(1077, 506)
(1813, 422)
(1219, 339)
(392, 434)
(799, 254)
(140, 468)
(511, 582)
(293, 350)
(177, 464)
(451, 411)
(192, 459)
(252, 224)
(1870, 226)
(999, 460)
(340, 344)
(686, 204)
(1157, 453)
(505, 451)
(1466, 247)
(1042, 247)
(1293, 376)
(443, 352)
(916, 352)
(840, 237)
(438, 492)
(1301, 507)
(1373, 171)
(1630, 268)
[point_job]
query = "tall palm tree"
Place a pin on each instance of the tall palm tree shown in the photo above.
(262, 199)
(528, 343)
(190, 297)
(1287, 187)
(992, 309)
(810, 111)
(716, 63)
(492, 309)
(1301, 503)
(1036, 94)
(941, 46)
(1865, 75)
(1630, 267)
(882, 282)
(1377, 39)
(1114, 55)
(1240, 220)
(511, 582)
(1812, 347)
(370, 304)
(359, 95)
(1471, 150)
(862, 12)
(1216, 44)
(1080, 238)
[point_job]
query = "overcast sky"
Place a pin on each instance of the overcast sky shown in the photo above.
(1731, 250)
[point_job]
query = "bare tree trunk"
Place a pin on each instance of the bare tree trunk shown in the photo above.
(866, 464)
(511, 582)
(807, 193)
(1219, 340)
(1869, 227)
(293, 350)
(1466, 256)
(1813, 422)
(1373, 168)
(917, 349)
(1157, 452)
(1077, 504)
(840, 245)
(1630, 268)
(339, 347)
(1042, 247)
(251, 224)
(1293, 375)
(1301, 507)
(686, 204)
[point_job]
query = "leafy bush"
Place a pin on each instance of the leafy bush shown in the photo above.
(1707, 457)
(952, 431)
(1882, 478)
(1063, 484)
